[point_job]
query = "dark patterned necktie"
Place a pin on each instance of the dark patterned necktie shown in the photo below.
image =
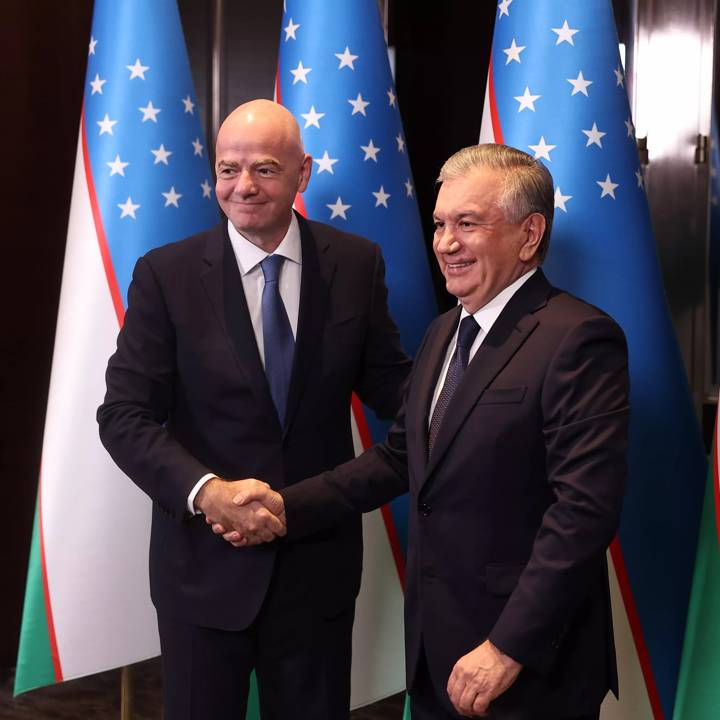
(278, 340)
(466, 336)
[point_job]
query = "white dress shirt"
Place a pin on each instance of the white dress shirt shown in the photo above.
(485, 317)
(248, 257)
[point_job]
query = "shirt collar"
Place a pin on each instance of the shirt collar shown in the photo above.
(489, 313)
(249, 255)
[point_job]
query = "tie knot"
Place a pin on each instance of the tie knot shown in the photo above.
(271, 267)
(468, 331)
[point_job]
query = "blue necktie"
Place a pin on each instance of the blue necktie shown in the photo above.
(277, 335)
(466, 337)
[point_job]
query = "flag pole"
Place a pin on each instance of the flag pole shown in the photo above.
(126, 692)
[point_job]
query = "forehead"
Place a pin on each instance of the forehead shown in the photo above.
(253, 141)
(478, 191)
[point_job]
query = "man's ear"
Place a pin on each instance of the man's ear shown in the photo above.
(534, 228)
(305, 172)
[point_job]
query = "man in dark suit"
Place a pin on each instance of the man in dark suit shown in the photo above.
(512, 443)
(238, 356)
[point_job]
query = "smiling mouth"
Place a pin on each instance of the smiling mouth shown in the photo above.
(458, 267)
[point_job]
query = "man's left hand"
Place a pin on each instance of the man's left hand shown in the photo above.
(479, 677)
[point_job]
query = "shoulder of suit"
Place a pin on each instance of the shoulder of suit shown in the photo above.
(189, 248)
(568, 309)
(339, 239)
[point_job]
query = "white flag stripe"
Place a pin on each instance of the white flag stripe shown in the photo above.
(378, 630)
(96, 557)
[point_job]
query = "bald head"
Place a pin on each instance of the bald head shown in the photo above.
(261, 166)
(262, 118)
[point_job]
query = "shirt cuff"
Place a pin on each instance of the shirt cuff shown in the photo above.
(196, 489)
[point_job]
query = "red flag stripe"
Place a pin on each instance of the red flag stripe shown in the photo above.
(99, 229)
(636, 628)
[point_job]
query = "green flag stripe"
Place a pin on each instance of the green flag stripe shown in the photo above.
(698, 693)
(35, 666)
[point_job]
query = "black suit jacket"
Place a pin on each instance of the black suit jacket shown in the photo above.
(187, 395)
(511, 516)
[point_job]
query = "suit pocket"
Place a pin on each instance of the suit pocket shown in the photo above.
(494, 396)
(501, 579)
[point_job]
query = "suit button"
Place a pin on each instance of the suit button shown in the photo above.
(425, 509)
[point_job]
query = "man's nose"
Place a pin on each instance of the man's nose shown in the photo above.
(446, 241)
(245, 185)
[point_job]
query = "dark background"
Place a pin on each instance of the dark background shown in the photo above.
(442, 51)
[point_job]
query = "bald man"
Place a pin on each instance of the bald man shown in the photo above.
(240, 350)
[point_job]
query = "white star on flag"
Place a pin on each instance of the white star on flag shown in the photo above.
(171, 197)
(561, 199)
(338, 209)
(542, 150)
(408, 188)
(325, 163)
(189, 105)
(640, 179)
(97, 84)
(117, 166)
(513, 52)
(608, 187)
(580, 84)
(128, 208)
(401, 143)
(106, 125)
(630, 127)
(346, 59)
(565, 34)
(137, 70)
(290, 30)
(503, 8)
(619, 77)
(594, 135)
(161, 155)
(370, 151)
(149, 112)
(359, 105)
(312, 117)
(300, 73)
(206, 188)
(381, 197)
(391, 97)
(91, 46)
(527, 100)
(197, 147)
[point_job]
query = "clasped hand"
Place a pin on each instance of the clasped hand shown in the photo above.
(245, 512)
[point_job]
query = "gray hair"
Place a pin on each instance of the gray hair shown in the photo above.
(528, 183)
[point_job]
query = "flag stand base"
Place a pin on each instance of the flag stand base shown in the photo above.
(126, 693)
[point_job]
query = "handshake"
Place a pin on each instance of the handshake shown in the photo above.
(245, 512)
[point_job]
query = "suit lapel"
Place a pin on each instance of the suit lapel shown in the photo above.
(428, 367)
(318, 268)
(222, 282)
(511, 329)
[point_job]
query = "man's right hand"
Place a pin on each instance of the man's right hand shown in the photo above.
(249, 522)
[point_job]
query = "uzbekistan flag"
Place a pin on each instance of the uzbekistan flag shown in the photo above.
(334, 76)
(556, 90)
(141, 180)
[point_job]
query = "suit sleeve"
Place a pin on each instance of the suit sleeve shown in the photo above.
(385, 365)
(140, 380)
(585, 428)
(360, 485)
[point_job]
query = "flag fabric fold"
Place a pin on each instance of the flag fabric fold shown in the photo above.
(141, 180)
(334, 76)
(556, 89)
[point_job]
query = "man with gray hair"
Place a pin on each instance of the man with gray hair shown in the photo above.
(512, 443)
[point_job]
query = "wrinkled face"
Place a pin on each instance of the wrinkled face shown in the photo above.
(260, 168)
(479, 252)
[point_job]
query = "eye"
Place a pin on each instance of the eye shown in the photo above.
(466, 224)
(438, 225)
(266, 171)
